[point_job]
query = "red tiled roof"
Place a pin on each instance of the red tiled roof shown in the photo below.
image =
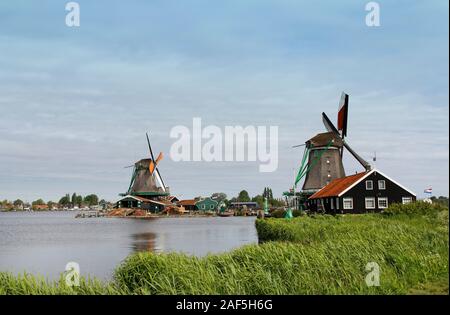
(189, 202)
(337, 186)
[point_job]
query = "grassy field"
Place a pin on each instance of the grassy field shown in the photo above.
(305, 255)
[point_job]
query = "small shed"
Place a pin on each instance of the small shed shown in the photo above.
(188, 204)
(207, 204)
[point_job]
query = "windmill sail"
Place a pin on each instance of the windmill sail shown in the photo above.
(330, 127)
(343, 115)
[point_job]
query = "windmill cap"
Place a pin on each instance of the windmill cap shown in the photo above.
(323, 139)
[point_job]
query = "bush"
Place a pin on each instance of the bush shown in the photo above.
(279, 213)
(415, 208)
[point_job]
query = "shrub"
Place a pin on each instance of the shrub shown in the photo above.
(414, 209)
(279, 213)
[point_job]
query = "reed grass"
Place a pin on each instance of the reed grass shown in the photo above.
(305, 255)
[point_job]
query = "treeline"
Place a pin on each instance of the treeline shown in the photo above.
(244, 196)
(67, 201)
(79, 200)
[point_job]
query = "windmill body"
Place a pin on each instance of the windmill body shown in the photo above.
(145, 182)
(325, 162)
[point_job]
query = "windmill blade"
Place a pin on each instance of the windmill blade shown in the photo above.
(157, 173)
(329, 125)
(160, 180)
(150, 147)
(343, 115)
(159, 158)
(331, 128)
(363, 162)
(153, 164)
(298, 145)
(129, 166)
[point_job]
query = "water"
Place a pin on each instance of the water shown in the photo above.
(44, 242)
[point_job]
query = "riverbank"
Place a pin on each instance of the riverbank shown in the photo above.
(305, 255)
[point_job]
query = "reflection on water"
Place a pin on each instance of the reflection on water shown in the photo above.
(144, 242)
(43, 243)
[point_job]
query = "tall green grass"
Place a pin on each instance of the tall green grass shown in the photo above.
(305, 255)
(27, 284)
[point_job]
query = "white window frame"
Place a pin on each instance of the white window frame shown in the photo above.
(384, 184)
(372, 199)
(371, 182)
(406, 200)
(387, 202)
(346, 199)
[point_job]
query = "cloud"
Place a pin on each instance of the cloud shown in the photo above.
(77, 103)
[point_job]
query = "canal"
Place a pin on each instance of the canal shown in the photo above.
(44, 242)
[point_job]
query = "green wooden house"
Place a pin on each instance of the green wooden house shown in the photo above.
(206, 204)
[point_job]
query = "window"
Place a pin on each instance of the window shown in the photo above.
(370, 203)
(369, 185)
(203, 206)
(332, 203)
(211, 207)
(382, 202)
(406, 200)
(382, 184)
(337, 203)
(348, 203)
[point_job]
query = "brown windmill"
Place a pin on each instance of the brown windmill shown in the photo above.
(146, 180)
(322, 159)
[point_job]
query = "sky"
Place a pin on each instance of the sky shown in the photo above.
(75, 102)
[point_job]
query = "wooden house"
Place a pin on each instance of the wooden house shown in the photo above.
(207, 204)
(188, 204)
(370, 191)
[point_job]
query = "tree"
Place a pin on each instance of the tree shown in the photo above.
(74, 199)
(243, 196)
(268, 193)
(18, 203)
(5, 204)
(38, 202)
(64, 200)
(91, 200)
(260, 200)
(79, 200)
(219, 197)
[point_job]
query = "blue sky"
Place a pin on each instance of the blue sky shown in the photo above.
(76, 102)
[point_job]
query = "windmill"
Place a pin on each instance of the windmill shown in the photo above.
(322, 158)
(146, 179)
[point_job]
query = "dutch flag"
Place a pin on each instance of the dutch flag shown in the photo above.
(428, 190)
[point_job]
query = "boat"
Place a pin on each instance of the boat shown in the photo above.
(226, 214)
